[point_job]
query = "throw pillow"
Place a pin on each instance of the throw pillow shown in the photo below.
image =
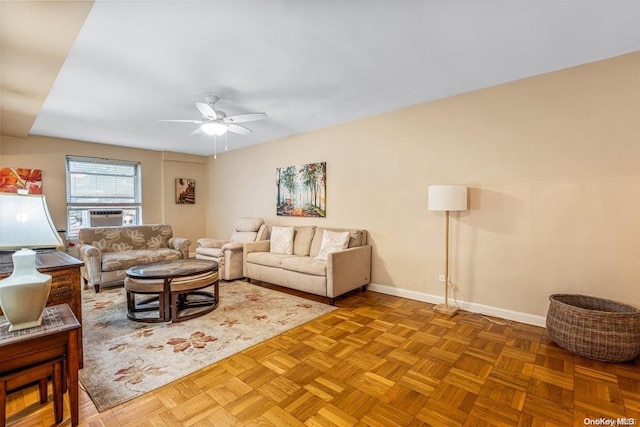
(281, 240)
(332, 241)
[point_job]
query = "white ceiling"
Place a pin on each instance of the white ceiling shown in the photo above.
(307, 64)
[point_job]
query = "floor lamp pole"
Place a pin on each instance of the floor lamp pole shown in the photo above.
(447, 198)
(446, 259)
(445, 308)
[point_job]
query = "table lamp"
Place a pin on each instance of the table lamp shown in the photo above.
(447, 198)
(25, 224)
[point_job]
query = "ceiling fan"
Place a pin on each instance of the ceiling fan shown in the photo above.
(216, 122)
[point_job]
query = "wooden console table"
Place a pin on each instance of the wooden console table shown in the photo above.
(58, 336)
(65, 281)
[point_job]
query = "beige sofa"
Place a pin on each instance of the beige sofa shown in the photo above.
(108, 252)
(228, 253)
(342, 272)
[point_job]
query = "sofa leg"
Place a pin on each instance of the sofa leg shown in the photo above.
(97, 288)
(363, 288)
(332, 301)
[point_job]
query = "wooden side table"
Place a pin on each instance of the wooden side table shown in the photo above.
(65, 280)
(56, 337)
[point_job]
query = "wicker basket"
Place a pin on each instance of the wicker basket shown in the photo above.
(593, 327)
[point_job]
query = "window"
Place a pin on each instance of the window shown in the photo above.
(102, 192)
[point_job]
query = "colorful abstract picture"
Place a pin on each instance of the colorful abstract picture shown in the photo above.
(14, 179)
(302, 190)
(185, 191)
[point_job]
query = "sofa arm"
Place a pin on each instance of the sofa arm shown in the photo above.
(260, 246)
(207, 242)
(92, 258)
(180, 244)
(348, 270)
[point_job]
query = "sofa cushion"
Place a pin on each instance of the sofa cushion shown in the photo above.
(281, 240)
(131, 237)
(302, 239)
(355, 239)
(305, 265)
(112, 261)
(332, 241)
(267, 258)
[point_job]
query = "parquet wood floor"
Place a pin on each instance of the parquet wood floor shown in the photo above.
(381, 361)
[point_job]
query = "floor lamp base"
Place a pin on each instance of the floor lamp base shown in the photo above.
(445, 309)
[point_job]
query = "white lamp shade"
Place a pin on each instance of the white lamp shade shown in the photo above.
(447, 198)
(25, 223)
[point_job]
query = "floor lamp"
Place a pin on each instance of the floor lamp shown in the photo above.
(447, 198)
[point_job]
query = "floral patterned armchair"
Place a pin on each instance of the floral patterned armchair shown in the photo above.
(107, 252)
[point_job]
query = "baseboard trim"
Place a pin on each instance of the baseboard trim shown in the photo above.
(517, 316)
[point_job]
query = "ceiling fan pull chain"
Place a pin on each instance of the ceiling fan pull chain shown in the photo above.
(226, 140)
(215, 147)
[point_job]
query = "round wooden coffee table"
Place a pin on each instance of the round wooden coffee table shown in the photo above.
(173, 288)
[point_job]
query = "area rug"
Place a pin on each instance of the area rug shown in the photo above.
(124, 359)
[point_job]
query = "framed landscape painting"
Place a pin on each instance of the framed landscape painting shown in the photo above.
(302, 190)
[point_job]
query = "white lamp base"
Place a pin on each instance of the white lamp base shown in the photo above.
(25, 325)
(444, 309)
(23, 295)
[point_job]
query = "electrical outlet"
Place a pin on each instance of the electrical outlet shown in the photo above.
(441, 277)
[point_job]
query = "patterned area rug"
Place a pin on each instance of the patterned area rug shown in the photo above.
(124, 359)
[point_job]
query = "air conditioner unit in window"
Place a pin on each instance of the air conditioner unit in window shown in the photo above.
(102, 218)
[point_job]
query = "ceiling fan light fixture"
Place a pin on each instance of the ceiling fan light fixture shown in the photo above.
(213, 128)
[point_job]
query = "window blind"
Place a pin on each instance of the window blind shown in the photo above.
(102, 181)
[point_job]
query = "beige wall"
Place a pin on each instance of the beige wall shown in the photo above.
(187, 220)
(158, 172)
(553, 166)
(552, 163)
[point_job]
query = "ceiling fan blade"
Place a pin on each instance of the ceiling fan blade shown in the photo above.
(247, 117)
(197, 131)
(206, 110)
(238, 129)
(183, 121)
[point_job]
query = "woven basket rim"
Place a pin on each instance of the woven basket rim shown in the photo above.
(632, 310)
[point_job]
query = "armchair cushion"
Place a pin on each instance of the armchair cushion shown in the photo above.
(244, 236)
(249, 224)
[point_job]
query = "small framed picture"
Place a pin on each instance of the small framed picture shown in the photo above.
(185, 191)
